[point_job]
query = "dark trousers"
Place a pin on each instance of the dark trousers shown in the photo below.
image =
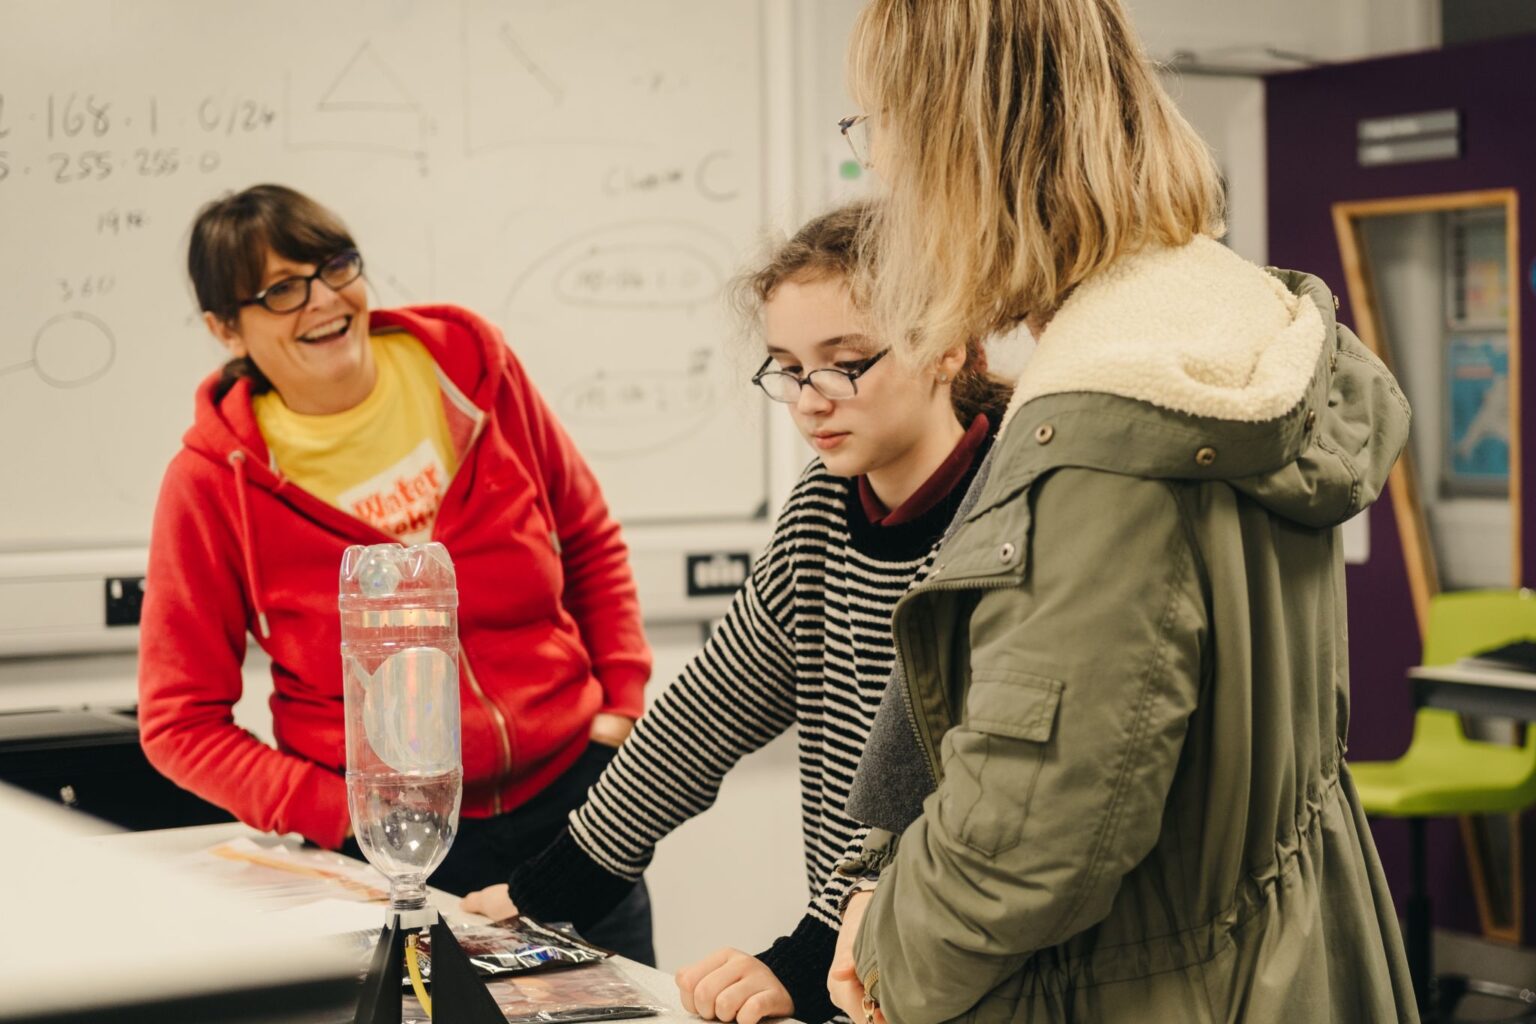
(487, 849)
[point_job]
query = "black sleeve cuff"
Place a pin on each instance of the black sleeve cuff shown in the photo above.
(801, 961)
(562, 883)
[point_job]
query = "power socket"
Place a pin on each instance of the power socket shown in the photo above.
(125, 600)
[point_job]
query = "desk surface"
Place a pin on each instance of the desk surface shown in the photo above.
(176, 842)
(1476, 675)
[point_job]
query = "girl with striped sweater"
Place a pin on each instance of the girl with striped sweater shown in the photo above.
(807, 639)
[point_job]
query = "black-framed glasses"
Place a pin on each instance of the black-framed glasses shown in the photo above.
(292, 293)
(856, 130)
(829, 382)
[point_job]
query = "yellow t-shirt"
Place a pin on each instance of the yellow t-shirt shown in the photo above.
(388, 459)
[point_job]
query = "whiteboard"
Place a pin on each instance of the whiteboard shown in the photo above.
(585, 173)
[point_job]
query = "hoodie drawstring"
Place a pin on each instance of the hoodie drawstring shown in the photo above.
(247, 549)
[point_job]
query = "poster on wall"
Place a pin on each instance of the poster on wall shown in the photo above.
(1477, 279)
(1477, 421)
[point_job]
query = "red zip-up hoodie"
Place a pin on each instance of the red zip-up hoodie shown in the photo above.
(549, 622)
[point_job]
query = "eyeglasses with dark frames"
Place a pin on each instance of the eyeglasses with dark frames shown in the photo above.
(292, 293)
(856, 130)
(829, 382)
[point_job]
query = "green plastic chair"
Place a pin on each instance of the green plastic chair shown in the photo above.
(1445, 774)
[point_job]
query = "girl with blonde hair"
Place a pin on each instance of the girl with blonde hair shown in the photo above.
(1124, 686)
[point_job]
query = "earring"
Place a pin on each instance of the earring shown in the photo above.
(943, 378)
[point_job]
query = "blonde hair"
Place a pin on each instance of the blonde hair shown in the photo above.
(1025, 145)
(829, 248)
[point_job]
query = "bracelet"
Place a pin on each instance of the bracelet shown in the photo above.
(865, 884)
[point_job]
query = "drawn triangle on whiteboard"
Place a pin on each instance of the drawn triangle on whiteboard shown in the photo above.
(367, 83)
(527, 69)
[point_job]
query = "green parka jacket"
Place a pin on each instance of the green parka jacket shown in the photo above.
(1130, 672)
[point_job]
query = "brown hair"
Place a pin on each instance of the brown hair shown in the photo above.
(830, 247)
(1025, 145)
(227, 254)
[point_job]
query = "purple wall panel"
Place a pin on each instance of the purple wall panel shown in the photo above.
(1312, 117)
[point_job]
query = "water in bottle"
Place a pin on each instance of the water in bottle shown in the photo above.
(399, 649)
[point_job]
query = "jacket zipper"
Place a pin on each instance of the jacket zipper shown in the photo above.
(916, 719)
(502, 734)
(503, 731)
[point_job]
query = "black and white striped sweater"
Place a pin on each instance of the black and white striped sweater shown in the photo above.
(806, 642)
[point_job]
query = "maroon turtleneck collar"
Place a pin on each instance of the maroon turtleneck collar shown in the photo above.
(935, 488)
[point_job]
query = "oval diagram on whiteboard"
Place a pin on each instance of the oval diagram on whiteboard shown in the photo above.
(632, 413)
(638, 274)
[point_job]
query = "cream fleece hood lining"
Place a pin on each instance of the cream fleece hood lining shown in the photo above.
(1195, 329)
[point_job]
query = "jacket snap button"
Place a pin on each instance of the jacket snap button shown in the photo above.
(1205, 456)
(1311, 421)
(1044, 432)
(1005, 553)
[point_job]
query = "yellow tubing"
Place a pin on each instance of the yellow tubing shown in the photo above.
(413, 965)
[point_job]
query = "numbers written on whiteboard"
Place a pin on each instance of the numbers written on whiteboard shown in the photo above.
(143, 162)
(217, 114)
(117, 222)
(80, 289)
(90, 116)
(73, 114)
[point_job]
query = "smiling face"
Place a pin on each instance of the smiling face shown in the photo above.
(318, 357)
(899, 426)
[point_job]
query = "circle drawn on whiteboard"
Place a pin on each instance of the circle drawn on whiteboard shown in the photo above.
(653, 265)
(637, 413)
(637, 276)
(73, 349)
(655, 281)
(713, 177)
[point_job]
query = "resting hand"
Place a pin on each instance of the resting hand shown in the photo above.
(611, 730)
(494, 901)
(729, 985)
(843, 984)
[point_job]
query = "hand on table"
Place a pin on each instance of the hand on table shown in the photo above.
(494, 902)
(729, 985)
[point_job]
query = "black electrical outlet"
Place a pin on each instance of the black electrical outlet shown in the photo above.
(125, 599)
(717, 574)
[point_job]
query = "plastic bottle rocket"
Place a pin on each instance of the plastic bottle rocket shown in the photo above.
(400, 654)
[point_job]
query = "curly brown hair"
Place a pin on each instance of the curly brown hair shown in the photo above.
(830, 247)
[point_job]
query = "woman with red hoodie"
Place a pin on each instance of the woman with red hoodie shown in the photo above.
(334, 425)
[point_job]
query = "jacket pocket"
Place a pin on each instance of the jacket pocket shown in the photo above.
(992, 759)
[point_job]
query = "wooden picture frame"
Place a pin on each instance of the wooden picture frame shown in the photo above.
(1407, 508)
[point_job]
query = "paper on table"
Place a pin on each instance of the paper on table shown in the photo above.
(277, 875)
(593, 992)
